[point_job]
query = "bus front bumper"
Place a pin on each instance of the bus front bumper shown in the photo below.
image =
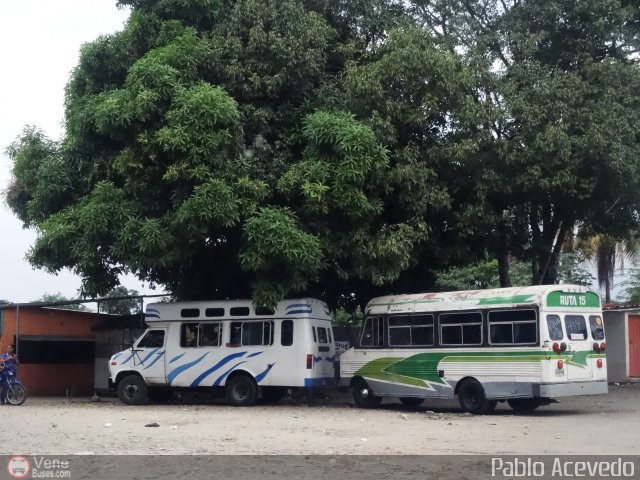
(552, 390)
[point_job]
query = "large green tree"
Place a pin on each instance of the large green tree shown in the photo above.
(252, 147)
(555, 143)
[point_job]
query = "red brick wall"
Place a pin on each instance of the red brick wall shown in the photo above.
(52, 379)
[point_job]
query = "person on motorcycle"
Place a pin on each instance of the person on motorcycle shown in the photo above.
(8, 364)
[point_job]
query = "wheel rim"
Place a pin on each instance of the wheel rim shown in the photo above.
(472, 397)
(240, 392)
(131, 391)
(16, 395)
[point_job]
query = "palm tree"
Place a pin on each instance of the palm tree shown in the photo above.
(605, 252)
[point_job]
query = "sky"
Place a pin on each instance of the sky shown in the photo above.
(40, 42)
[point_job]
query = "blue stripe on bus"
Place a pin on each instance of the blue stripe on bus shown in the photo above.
(209, 371)
(178, 370)
(129, 358)
(263, 374)
(160, 355)
(254, 354)
(177, 357)
(150, 353)
(223, 376)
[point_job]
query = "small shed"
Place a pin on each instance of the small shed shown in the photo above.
(622, 327)
(55, 347)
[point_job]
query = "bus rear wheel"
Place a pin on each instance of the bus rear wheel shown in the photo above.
(524, 404)
(473, 399)
(411, 401)
(241, 391)
(363, 395)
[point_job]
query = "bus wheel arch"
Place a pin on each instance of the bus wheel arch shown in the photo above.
(363, 394)
(472, 398)
(241, 389)
(132, 389)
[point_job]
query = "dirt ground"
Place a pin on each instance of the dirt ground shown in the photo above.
(603, 425)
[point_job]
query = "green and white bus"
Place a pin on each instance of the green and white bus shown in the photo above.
(523, 345)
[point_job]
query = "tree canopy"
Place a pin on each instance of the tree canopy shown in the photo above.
(267, 148)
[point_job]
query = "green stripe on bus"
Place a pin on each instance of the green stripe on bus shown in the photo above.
(422, 369)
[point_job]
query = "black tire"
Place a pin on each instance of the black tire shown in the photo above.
(472, 398)
(411, 401)
(524, 404)
(363, 395)
(17, 394)
(160, 394)
(272, 394)
(133, 391)
(241, 391)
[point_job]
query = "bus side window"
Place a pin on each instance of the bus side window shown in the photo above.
(286, 333)
(372, 333)
(189, 335)
(235, 334)
(315, 338)
(210, 334)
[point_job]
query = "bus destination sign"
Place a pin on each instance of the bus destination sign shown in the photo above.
(576, 300)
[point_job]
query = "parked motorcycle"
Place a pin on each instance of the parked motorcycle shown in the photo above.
(16, 392)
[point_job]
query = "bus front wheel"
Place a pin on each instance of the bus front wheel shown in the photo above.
(524, 404)
(363, 395)
(133, 391)
(473, 399)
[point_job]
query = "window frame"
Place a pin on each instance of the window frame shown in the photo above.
(411, 327)
(242, 323)
(601, 328)
(461, 325)
(562, 328)
(378, 330)
(566, 328)
(534, 321)
(148, 333)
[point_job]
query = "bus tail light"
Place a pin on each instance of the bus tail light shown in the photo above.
(603, 346)
(556, 347)
(596, 347)
(599, 363)
(560, 364)
(309, 361)
(563, 347)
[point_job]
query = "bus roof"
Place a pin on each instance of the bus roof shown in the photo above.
(556, 296)
(235, 310)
